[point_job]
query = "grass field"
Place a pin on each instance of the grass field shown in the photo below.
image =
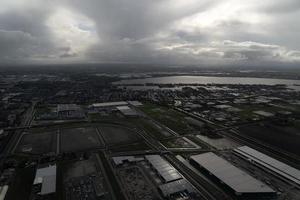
(114, 134)
(38, 143)
(138, 146)
(283, 137)
(151, 129)
(78, 139)
(169, 117)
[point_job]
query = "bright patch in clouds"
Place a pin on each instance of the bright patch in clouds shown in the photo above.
(73, 33)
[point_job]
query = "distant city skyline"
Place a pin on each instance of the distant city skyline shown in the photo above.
(189, 32)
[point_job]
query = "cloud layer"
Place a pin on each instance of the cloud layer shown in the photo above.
(199, 32)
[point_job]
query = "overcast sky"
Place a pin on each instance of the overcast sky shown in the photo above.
(182, 32)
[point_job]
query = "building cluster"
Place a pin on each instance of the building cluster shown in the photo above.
(232, 178)
(172, 185)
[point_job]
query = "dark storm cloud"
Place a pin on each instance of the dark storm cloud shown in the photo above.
(150, 31)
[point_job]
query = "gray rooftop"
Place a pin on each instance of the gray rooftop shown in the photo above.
(176, 187)
(270, 163)
(120, 159)
(67, 107)
(235, 178)
(167, 171)
(108, 104)
(49, 185)
(125, 110)
(47, 177)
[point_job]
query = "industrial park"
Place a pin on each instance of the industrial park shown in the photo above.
(119, 140)
(149, 100)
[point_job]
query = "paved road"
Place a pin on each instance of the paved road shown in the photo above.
(27, 118)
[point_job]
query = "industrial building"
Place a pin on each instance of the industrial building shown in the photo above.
(283, 170)
(166, 171)
(69, 111)
(230, 177)
(175, 187)
(120, 160)
(109, 104)
(125, 110)
(44, 184)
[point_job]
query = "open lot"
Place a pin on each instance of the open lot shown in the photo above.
(114, 134)
(38, 143)
(152, 129)
(83, 180)
(81, 139)
(168, 117)
(286, 138)
(78, 169)
(136, 184)
(137, 146)
(179, 143)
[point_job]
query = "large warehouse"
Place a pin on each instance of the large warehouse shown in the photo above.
(281, 169)
(45, 181)
(233, 179)
(166, 171)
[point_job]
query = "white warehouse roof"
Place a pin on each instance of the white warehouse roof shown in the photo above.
(47, 177)
(165, 170)
(276, 166)
(235, 178)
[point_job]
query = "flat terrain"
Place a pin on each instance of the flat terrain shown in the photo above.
(114, 134)
(38, 143)
(152, 129)
(78, 169)
(78, 139)
(178, 143)
(286, 138)
(137, 146)
(168, 117)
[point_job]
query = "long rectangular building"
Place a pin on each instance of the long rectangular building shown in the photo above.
(109, 104)
(280, 168)
(233, 178)
(166, 171)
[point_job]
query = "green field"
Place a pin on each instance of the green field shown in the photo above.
(116, 135)
(38, 143)
(168, 117)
